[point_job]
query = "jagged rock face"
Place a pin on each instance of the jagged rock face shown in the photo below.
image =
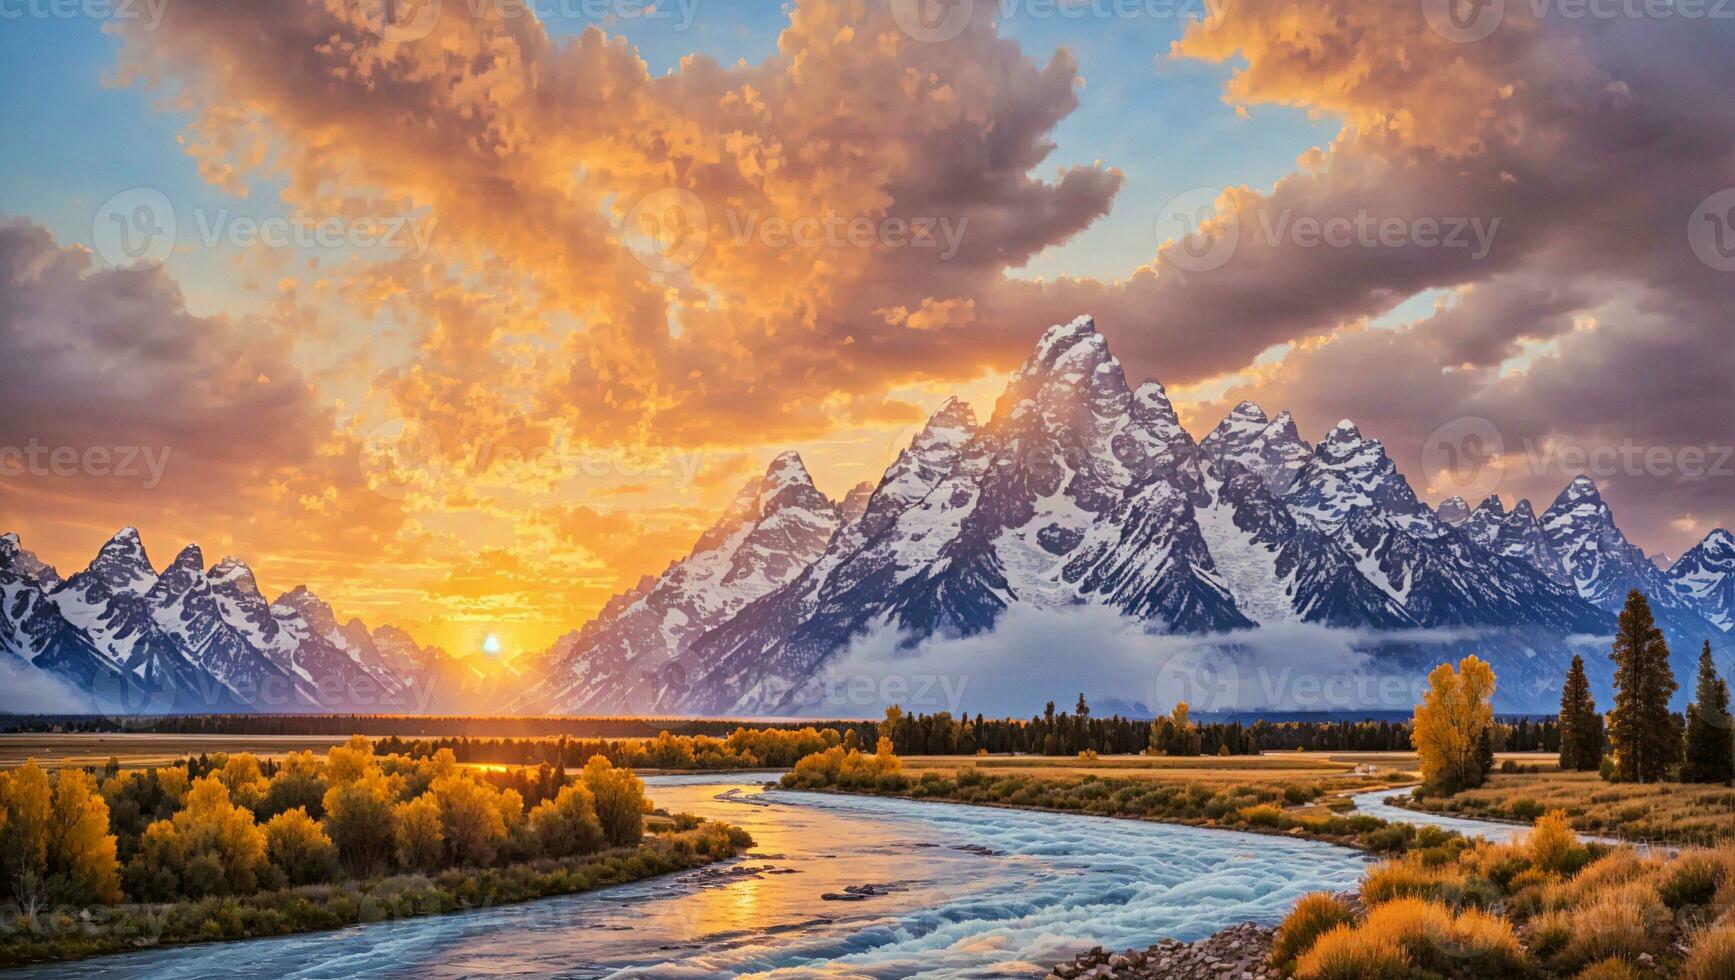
(1454, 511)
(1271, 449)
(1348, 473)
(1517, 534)
(1599, 560)
(773, 645)
(854, 503)
(773, 530)
(25, 564)
(1706, 576)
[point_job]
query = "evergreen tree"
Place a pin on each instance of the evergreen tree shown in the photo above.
(1580, 725)
(1710, 753)
(1646, 742)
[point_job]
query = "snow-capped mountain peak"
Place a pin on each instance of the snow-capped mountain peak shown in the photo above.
(14, 557)
(121, 565)
(1705, 574)
(1453, 511)
(1271, 449)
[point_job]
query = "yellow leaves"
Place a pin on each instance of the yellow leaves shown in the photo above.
(470, 818)
(297, 845)
(1455, 715)
(79, 845)
(421, 839)
(54, 839)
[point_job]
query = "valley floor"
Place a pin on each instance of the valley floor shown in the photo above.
(1670, 813)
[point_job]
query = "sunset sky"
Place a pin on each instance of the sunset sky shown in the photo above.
(525, 397)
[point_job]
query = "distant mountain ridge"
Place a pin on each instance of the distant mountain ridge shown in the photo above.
(191, 639)
(1079, 490)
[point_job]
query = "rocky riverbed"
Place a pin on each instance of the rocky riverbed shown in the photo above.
(1240, 952)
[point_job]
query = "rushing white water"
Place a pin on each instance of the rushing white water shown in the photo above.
(979, 892)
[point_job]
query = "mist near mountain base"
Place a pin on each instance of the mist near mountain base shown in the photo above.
(1035, 655)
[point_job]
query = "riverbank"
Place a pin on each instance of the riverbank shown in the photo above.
(1293, 810)
(59, 935)
(1683, 814)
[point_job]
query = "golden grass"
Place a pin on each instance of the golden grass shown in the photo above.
(1316, 914)
(1712, 956)
(1623, 921)
(1345, 953)
(1216, 772)
(1673, 812)
(1609, 969)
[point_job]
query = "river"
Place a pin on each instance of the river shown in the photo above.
(976, 892)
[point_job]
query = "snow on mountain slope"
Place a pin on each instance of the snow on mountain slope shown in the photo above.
(774, 644)
(1517, 534)
(1081, 490)
(1706, 576)
(1270, 449)
(775, 528)
(1351, 490)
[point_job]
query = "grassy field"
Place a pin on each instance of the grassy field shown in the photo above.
(1670, 812)
(146, 749)
(1336, 769)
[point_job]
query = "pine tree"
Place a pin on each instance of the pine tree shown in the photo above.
(1646, 742)
(1710, 753)
(1580, 725)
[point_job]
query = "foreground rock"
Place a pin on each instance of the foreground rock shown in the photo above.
(1237, 953)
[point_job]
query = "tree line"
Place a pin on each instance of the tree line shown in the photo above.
(1639, 740)
(233, 825)
(1060, 733)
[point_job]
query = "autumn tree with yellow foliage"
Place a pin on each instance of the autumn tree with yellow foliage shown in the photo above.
(55, 845)
(1451, 724)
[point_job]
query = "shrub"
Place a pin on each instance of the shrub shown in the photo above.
(1609, 969)
(1343, 953)
(1712, 956)
(1263, 815)
(1553, 846)
(1550, 932)
(298, 848)
(1524, 808)
(1418, 927)
(1617, 922)
(1486, 942)
(1313, 916)
(1691, 879)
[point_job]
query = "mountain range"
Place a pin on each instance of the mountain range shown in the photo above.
(191, 639)
(1078, 490)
